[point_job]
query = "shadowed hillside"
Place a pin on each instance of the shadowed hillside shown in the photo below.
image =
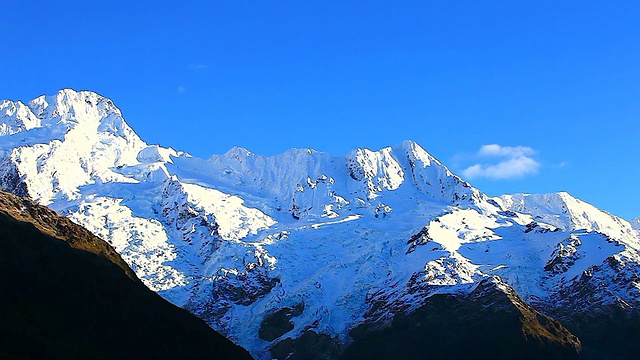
(489, 323)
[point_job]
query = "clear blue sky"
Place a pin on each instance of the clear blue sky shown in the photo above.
(557, 81)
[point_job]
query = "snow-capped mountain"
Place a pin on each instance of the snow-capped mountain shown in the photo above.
(314, 243)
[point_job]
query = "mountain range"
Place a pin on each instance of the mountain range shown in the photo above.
(310, 255)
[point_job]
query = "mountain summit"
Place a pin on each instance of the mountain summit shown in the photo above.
(62, 142)
(306, 251)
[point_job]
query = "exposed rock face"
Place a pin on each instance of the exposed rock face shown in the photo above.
(66, 294)
(279, 323)
(595, 309)
(447, 327)
(53, 224)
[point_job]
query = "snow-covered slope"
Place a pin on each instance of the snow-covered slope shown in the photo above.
(320, 243)
(568, 213)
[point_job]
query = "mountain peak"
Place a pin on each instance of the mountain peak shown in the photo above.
(411, 145)
(61, 112)
(81, 134)
(16, 117)
(566, 212)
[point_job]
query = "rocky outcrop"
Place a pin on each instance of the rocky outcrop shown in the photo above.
(449, 327)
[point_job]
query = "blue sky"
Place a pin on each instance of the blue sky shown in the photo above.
(552, 87)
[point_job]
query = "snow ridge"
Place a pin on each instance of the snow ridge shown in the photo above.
(50, 137)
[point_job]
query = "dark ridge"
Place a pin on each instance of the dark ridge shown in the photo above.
(51, 223)
(489, 323)
(67, 295)
(308, 346)
(608, 329)
(611, 333)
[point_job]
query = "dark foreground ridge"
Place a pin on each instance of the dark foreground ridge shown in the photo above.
(488, 323)
(67, 294)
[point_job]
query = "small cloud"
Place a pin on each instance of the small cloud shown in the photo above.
(495, 150)
(181, 89)
(507, 169)
(512, 162)
(198, 67)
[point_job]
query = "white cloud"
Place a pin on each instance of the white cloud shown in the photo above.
(514, 162)
(495, 150)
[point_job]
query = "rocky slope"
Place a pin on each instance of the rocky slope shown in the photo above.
(272, 250)
(446, 326)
